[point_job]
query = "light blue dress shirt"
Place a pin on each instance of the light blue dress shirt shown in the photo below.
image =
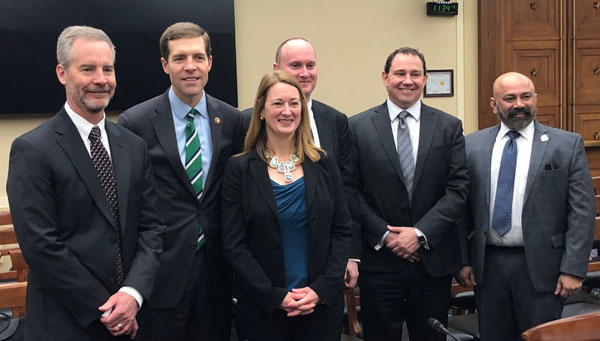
(202, 123)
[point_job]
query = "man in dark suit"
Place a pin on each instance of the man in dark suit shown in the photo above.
(413, 184)
(531, 218)
(329, 126)
(192, 296)
(81, 195)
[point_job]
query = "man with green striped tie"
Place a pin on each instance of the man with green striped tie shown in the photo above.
(190, 135)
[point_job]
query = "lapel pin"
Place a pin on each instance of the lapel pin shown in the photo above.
(217, 120)
(544, 138)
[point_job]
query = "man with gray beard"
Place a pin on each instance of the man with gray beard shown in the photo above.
(531, 220)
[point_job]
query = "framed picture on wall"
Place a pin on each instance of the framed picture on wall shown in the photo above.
(440, 83)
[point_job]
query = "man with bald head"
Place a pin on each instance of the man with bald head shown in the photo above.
(531, 218)
(329, 126)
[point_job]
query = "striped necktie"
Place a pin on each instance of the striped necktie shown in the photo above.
(405, 152)
(193, 162)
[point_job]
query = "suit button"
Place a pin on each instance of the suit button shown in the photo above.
(193, 245)
(406, 217)
(313, 221)
(112, 240)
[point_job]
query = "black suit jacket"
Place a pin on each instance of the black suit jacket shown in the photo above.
(66, 231)
(252, 233)
(182, 212)
(439, 188)
(334, 135)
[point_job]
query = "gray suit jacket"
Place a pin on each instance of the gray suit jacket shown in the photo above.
(558, 209)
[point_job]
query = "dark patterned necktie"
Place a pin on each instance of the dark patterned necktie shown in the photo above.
(405, 152)
(193, 162)
(502, 216)
(106, 175)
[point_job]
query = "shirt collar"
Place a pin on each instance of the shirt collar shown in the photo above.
(394, 110)
(180, 109)
(526, 132)
(83, 126)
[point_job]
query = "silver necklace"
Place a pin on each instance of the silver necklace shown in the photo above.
(286, 167)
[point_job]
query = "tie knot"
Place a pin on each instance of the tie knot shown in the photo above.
(95, 134)
(513, 134)
(190, 115)
(403, 114)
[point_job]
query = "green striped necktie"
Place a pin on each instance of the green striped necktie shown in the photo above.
(193, 162)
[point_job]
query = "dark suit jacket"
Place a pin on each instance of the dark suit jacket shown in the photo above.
(66, 231)
(334, 135)
(439, 188)
(558, 211)
(252, 234)
(182, 212)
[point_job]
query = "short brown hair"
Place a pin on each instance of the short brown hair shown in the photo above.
(404, 50)
(182, 30)
(256, 138)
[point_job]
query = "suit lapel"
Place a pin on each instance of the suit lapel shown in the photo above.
(537, 154)
(310, 180)
(216, 131)
(483, 158)
(69, 140)
(122, 166)
(382, 124)
(323, 126)
(426, 130)
(258, 170)
(162, 122)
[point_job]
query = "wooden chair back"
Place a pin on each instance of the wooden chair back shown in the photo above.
(577, 328)
(352, 297)
(8, 241)
(19, 265)
(13, 295)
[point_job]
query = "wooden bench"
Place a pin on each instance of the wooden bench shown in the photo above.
(8, 242)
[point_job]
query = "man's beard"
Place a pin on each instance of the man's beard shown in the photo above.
(517, 123)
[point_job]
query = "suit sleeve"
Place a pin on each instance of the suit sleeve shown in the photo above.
(32, 202)
(236, 245)
(372, 226)
(144, 267)
(329, 284)
(348, 172)
(448, 208)
(580, 215)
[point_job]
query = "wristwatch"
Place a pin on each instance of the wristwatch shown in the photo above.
(421, 239)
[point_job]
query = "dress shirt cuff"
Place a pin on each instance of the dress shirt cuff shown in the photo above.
(419, 234)
(381, 241)
(133, 292)
(354, 260)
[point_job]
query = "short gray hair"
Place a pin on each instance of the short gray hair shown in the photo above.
(70, 34)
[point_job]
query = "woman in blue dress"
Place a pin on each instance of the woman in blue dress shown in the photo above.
(285, 223)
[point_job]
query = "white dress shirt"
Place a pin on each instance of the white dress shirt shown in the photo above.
(514, 237)
(313, 124)
(84, 128)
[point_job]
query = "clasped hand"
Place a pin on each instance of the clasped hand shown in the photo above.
(402, 241)
(121, 320)
(300, 301)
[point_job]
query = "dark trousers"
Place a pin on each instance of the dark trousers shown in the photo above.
(199, 315)
(507, 303)
(254, 324)
(387, 299)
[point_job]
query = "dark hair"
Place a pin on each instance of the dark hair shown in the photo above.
(405, 50)
(182, 30)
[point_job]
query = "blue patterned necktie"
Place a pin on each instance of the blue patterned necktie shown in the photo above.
(502, 217)
(405, 152)
(193, 162)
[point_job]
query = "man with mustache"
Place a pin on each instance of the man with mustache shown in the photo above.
(531, 219)
(82, 199)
